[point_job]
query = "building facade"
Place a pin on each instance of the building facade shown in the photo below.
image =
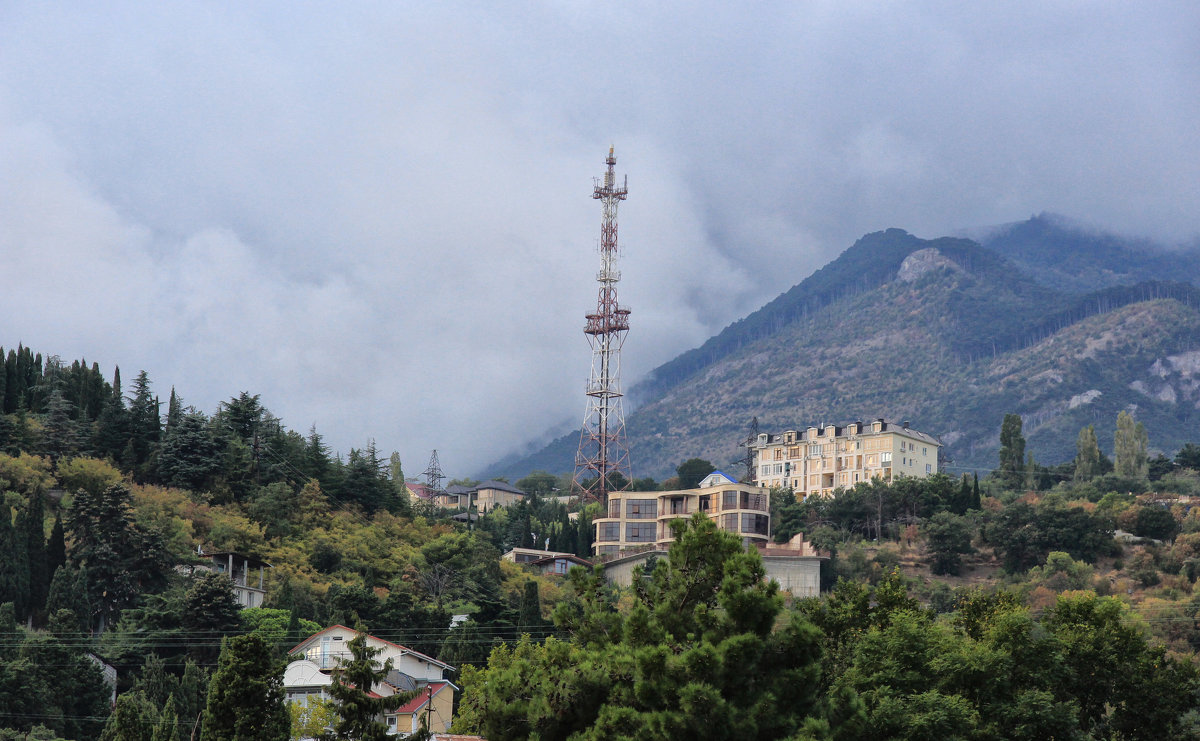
(641, 521)
(482, 498)
(316, 657)
(818, 460)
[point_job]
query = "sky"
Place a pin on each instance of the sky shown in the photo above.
(378, 215)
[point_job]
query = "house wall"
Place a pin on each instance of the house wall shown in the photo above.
(799, 575)
(620, 572)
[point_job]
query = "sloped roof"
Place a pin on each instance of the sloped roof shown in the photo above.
(565, 556)
(427, 692)
(405, 649)
(499, 486)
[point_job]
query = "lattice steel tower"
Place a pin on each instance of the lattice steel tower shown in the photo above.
(603, 450)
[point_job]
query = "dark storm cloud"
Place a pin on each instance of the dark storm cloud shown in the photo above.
(378, 215)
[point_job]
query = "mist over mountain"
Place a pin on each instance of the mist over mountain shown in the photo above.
(1063, 325)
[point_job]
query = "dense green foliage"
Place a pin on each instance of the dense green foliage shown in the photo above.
(245, 695)
(697, 656)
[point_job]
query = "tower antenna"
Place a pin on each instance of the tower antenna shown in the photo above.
(602, 463)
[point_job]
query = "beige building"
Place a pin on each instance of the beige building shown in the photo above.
(795, 566)
(640, 521)
(482, 498)
(820, 459)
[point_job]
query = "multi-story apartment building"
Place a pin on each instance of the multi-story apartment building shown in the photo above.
(641, 520)
(820, 459)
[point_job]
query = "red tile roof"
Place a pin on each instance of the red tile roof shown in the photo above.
(427, 692)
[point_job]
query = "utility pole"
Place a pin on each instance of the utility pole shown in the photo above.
(433, 473)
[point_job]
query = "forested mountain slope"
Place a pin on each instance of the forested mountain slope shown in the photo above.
(948, 334)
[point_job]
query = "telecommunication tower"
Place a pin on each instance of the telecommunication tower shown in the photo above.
(603, 450)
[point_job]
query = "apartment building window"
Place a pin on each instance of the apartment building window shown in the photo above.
(729, 500)
(794, 451)
(608, 532)
(928, 468)
(706, 503)
(885, 458)
(639, 532)
(640, 509)
(778, 468)
(729, 522)
(614, 508)
(778, 454)
(754, 501)
(756, 524)
(814, 449)
(766, 470)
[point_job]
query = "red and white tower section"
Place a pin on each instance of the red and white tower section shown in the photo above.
(603, 449)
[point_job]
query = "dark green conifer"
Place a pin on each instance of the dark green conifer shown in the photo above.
(245, 695)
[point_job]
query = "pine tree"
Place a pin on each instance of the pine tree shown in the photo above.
(209, 612)
(352, 688)
(188, 456)
(145, 428)
(123, 561)
(245, 695)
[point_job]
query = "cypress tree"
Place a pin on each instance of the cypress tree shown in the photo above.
(168, 723)
(56, 547)
(14, 567)
(1129, 447)
(174, 410)
(1012, 452)
(976, 500)
(12, 384)
(31, 524)
(112, 426)
(1087, 455)
(133, 719)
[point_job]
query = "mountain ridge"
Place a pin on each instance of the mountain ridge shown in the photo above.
(982, 308)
